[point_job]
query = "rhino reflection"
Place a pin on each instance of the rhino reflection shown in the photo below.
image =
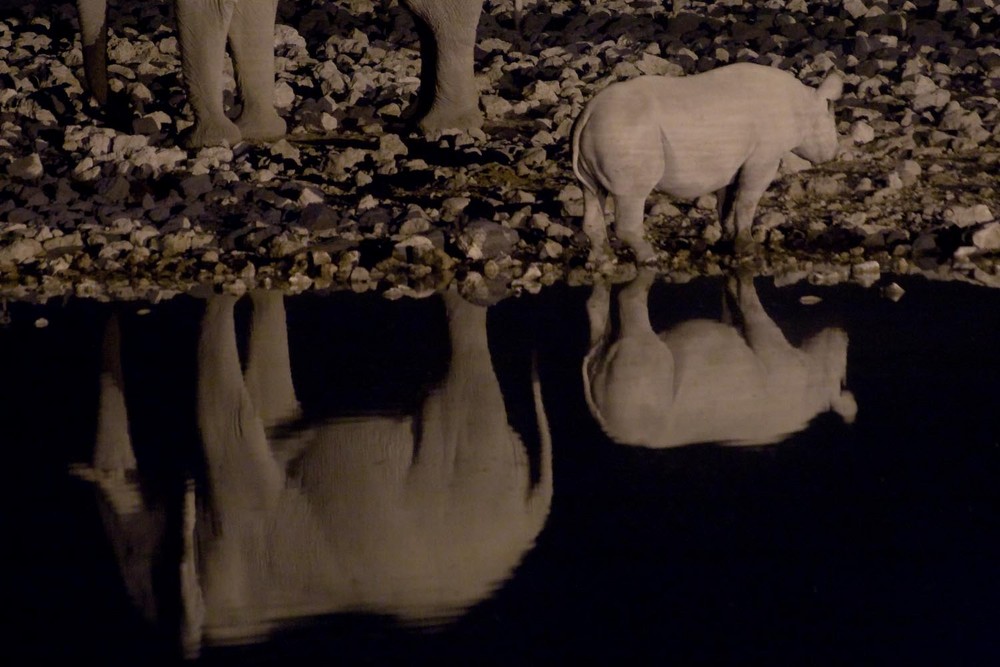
(416, 515)
(707, 381)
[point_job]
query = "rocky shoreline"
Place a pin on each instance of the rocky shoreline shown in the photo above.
(102, 203)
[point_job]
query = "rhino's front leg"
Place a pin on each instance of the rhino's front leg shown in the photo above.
(753, 181)
(202, 27)
(251, 37)
(448, 97)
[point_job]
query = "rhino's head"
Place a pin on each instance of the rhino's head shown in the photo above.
(818, 124)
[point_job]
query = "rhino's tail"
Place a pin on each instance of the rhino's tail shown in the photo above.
(94, 39)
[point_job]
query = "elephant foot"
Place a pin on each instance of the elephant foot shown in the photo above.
(212, 133)
(263, 126)
(445, 118)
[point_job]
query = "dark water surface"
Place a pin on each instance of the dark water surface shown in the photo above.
(411, 500)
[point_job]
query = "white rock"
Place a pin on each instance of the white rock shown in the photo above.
(287, 35)
(389, 146)
(966, 216)
(893, 292)
(496, 106)
(20, 251)
(987, 238)
(556, 230)
(543, 92)
(286, 150)
(452, 206)
(866, 268)
(284, 96)
(543, 138)
(310, 195)
(551, 249)
(772, 219)
(856, 8)
(932, 100)
(862, 132)
(909, 171)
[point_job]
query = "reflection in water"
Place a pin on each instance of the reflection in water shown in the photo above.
(415, 515)
(737, 382)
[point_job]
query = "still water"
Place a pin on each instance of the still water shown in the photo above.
(701, 473)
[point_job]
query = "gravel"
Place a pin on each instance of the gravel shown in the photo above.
(103, 202)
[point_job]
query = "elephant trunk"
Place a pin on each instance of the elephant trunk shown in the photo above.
(94, 39)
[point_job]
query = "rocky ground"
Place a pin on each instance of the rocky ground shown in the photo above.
(102, 203)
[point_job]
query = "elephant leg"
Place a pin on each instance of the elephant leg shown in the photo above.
(269, 372)
(243, 474)
(202, 28)
(94, 39)
(449, 98)
(251, 38)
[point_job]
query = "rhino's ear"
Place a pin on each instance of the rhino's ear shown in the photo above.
(832, 87)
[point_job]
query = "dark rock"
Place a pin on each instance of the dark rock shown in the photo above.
(193, 187)
(319, 217)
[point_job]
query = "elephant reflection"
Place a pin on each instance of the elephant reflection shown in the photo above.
(414, 515)
(707, 381)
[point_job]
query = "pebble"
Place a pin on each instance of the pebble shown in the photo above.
(20, 251)
(893, 292)
(987, 238)
(28, 167)
(862, 132)
(452, 207)
(967, 216)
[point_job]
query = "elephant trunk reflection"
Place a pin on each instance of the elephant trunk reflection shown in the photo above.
(736, 382)
(418, 516)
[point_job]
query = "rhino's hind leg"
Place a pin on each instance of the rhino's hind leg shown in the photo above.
(629, 215)
(594, 225)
